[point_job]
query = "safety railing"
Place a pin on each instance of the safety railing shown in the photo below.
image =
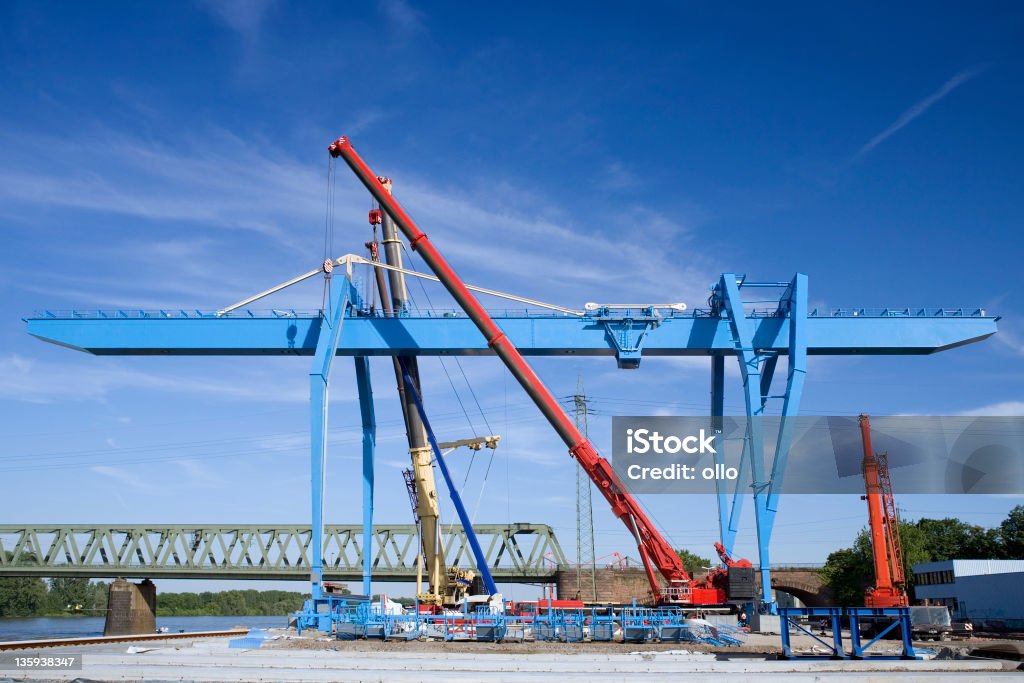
(346, 617)
(181, 313)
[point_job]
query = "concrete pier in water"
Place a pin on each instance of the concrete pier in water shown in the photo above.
(131, 608)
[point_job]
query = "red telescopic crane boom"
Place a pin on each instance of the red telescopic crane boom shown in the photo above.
(890, 583)
(655, 551)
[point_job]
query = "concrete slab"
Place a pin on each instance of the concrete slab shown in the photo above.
(212, 660)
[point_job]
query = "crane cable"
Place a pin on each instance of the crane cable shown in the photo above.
(458, 361)
(458, 397)
(328, 233)
(476, 400)
(351, 259)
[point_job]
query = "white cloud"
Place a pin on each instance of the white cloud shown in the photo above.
(401, 17)
(538, 251)
(283, 443)
(198, 473)
(243, 16)
(216, 181)
(121, 476)
(496, 235)
(1002, 409)
(617, 176)
(95, 379)
(137, 274)
(1010, 340)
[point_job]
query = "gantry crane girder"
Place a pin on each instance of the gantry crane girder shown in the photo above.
(840, 332)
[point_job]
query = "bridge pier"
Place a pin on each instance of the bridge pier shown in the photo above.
(131, 608)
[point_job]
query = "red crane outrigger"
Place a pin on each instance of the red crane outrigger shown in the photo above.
(655, 552)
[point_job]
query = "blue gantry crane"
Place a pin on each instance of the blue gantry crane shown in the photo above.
(758, 335)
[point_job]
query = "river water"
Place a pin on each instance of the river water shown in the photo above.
(32, 628)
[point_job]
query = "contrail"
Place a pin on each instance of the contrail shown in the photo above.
(921, 107)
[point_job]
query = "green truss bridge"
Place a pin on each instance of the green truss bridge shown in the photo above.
(527, 553)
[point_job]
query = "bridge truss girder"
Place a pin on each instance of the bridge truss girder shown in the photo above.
(515, 553)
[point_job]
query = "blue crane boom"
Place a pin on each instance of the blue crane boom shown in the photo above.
(453, 491)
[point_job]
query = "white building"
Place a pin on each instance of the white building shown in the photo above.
(989, 592)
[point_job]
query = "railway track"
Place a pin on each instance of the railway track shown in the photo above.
(96, 640)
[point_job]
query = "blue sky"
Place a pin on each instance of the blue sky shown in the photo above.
(175, 156)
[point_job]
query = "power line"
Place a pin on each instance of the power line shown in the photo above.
(586, 564)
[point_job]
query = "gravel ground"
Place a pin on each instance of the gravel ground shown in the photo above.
(754, 644)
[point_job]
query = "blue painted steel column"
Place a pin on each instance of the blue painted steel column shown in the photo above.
(795, 302)
(326, 346)
(717, 411)
(729, 537)
(460, 509)
(728, 513)
(369, 443)
(749, 359)
(738, 496)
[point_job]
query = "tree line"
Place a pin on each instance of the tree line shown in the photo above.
(241, 603)
(848, 572)
(34, 597)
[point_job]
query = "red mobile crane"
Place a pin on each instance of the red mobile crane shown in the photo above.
(890, 589)
(655, 552)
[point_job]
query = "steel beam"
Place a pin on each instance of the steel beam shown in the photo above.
(319, 374)
(757, 367)
(793, 304)
(444, 334)
(369, 443)
(717, 411)
(750, 357)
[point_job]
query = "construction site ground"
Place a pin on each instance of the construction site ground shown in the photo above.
(316, 657)
(755, 644)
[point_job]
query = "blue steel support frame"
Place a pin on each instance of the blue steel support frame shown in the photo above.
(757, 367)
(732, 524)
(793, 304)
(750, 369)
(717, 411)
(902, 620)
(789, 616)
(369, 444)
(319, 374)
